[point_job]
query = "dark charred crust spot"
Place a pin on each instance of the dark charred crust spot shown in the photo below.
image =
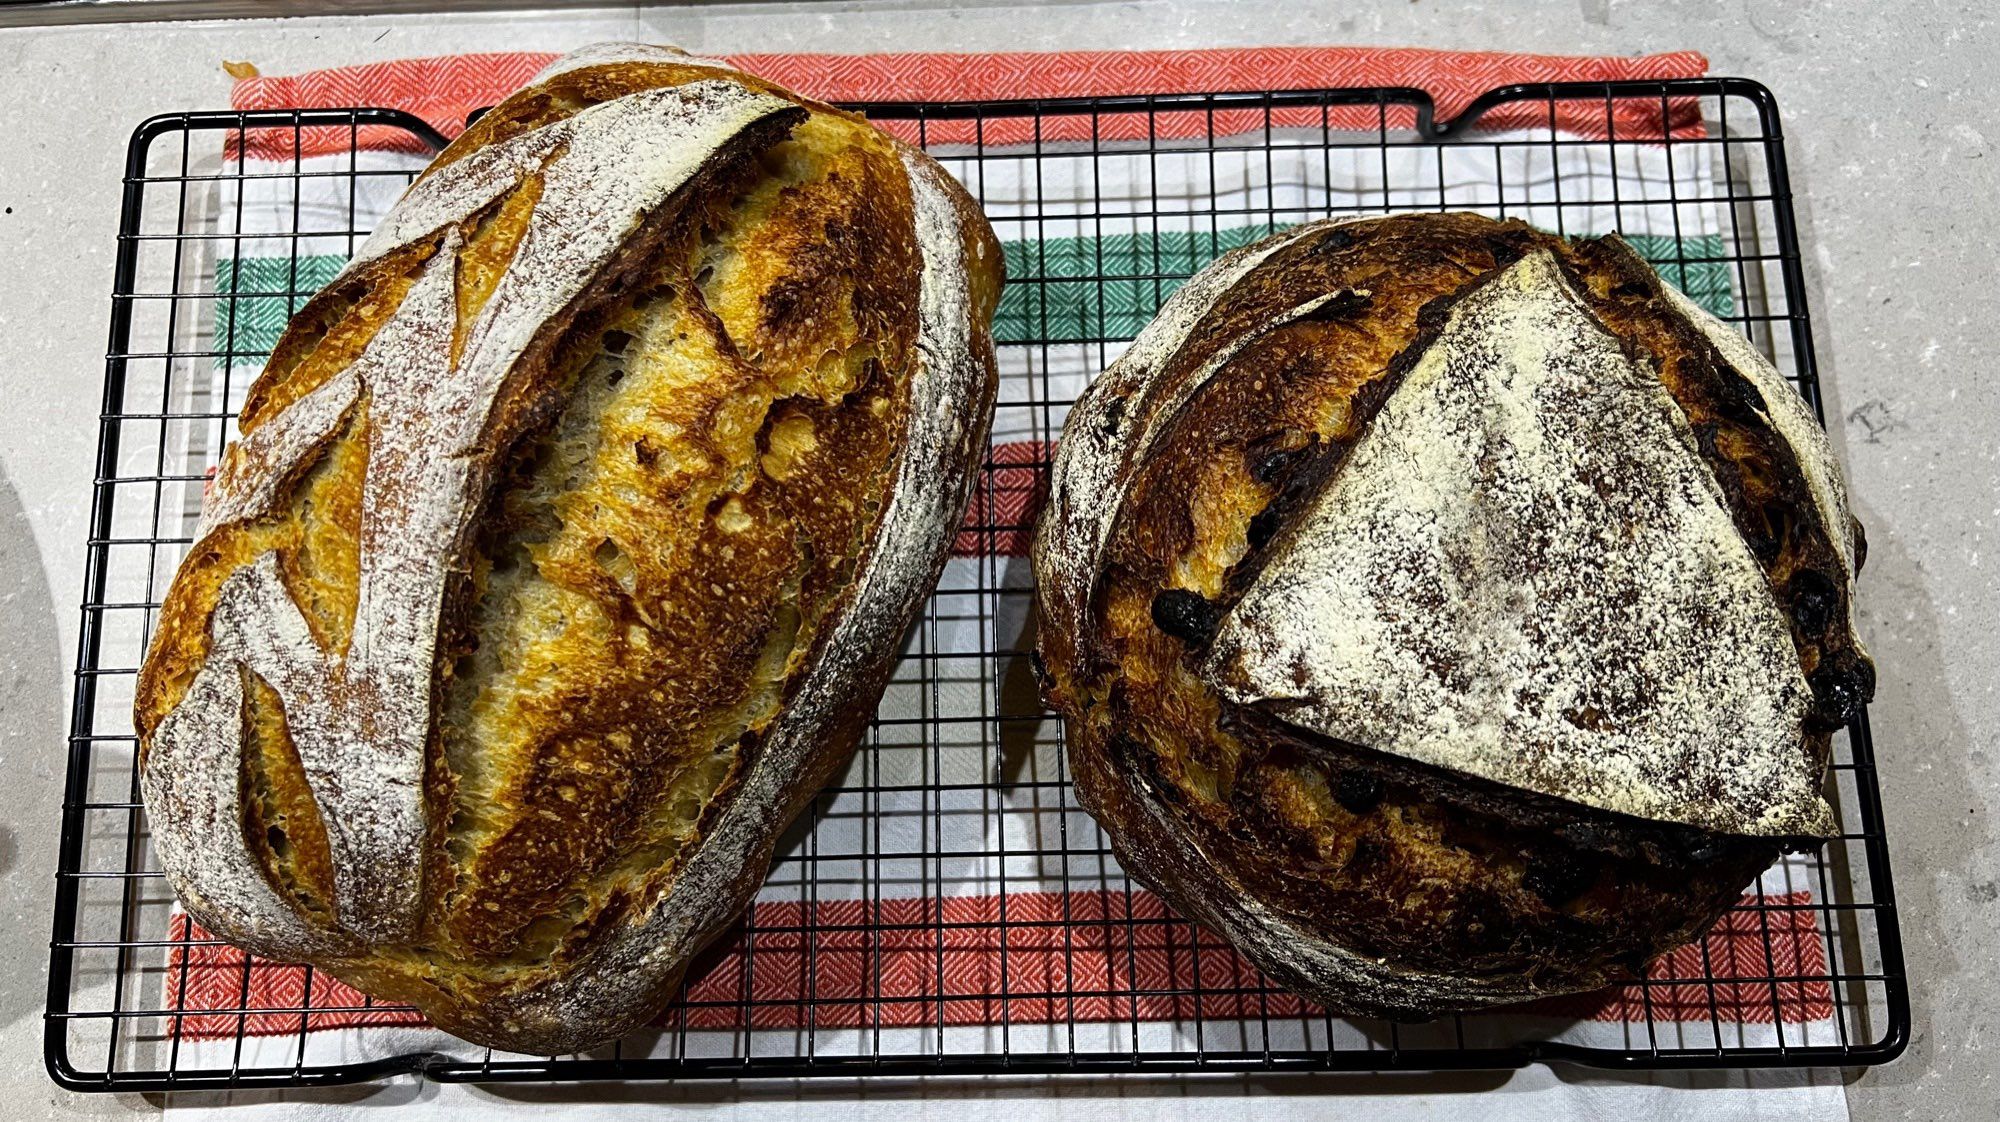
(1736, 399)
(1632, 290)
(1587, 717)
(1274, 465)
(1130, 753)
(1431, 319)
(1505, 250)
(1114, 416)
(1341, 306)
(1704, 439)
(1358, 791)
(1187, 616)
(1338, 238)
(1367, 856)
(1815, 600)
(1705, 849)
(1231, 721)
(1271, 458)
(1840, 687)
(786, 305)
(1559, 878)
(1763, 530)
(1587, 835)
(1263, 527)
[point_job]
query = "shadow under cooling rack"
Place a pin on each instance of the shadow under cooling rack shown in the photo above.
(945, 906)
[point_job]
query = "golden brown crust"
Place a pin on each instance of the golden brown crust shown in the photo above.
(1402, 889)
(568, 92)
(697, 474)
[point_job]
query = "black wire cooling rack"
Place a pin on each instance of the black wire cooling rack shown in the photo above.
(944, 907)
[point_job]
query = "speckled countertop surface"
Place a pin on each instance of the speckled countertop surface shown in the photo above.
(1888, 111)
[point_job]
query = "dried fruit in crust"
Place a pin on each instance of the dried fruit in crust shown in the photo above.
(1446, 612)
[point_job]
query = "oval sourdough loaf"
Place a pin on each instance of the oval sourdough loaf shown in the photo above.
(569, 543)
(1445, 612)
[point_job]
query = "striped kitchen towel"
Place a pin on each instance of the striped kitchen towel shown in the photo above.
(949, 888)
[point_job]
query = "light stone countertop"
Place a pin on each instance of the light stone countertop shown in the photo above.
(1887, 107)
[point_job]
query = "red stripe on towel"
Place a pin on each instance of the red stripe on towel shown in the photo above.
(444, 90)
(1086, 957)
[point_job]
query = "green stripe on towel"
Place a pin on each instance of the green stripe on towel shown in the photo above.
(253, 303)
(1139, 270)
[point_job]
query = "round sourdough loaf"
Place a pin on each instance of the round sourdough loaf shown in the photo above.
(1445, 612)
(568, 545)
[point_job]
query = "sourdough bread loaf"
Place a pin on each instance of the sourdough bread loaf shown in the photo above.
(1446, 612)
(569, 543)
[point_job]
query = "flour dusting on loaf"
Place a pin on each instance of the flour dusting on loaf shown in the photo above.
(194, 780)
(301, 795)
(357, 718)
(1808, 442)
(601, 54)
(361, 717)
(1529, 484)
(253, 473)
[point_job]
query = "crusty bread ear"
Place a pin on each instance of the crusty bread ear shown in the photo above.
(1445, 612)
(570, 541)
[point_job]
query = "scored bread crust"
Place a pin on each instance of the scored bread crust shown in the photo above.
(1375, 881)
(335, 646)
